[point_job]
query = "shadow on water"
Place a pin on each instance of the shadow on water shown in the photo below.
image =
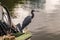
(34, 3)
(43, 35)
(38, 3)
(10, 4)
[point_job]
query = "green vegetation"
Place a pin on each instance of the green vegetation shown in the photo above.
(17, 34)
(24, 36)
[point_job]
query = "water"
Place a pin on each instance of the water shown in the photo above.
(46, 23)
(50, 5)
(23, 10)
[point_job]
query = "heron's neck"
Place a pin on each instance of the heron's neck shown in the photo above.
(32, 15)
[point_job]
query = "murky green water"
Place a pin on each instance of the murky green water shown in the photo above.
(33, 3)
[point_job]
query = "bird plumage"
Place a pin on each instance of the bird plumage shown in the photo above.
(27, 20)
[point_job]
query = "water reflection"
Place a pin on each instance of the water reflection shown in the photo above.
(33, 3)
(50, 5)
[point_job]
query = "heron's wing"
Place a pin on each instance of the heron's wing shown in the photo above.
(26, 21)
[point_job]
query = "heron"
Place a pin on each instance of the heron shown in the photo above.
(27, 20)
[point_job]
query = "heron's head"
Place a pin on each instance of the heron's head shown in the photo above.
(32, 10)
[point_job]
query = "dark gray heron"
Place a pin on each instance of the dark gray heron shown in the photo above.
(27, 20)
